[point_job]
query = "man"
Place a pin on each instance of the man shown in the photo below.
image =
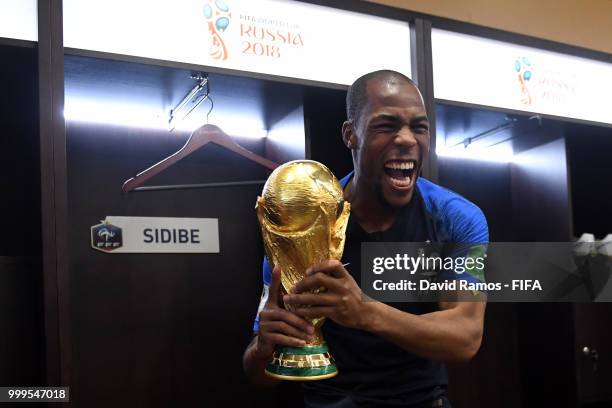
(387, 354)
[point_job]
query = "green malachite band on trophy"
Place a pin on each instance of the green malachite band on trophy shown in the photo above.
(302, 374)
(302, 363)
(303, 350)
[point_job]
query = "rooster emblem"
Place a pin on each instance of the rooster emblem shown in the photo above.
(105, 233)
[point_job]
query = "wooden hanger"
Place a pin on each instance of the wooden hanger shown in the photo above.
(200, 137)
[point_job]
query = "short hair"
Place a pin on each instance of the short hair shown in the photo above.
(357, 96)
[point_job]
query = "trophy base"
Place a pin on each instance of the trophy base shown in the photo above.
(307, 363)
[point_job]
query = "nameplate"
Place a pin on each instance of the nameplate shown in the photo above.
(116, 234)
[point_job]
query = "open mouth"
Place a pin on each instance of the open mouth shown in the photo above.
(400, 172)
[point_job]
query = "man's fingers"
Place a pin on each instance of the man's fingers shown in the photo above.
(317, 280)
(275, 287)
(286, 316)
(282, 340)
(312, 312)
(313, 299)
(281, 327)
(331, 267)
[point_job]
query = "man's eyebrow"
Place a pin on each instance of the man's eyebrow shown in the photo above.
(385, 116)
(422, 118)
(395, 118)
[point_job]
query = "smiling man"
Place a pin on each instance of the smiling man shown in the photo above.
(387, 354)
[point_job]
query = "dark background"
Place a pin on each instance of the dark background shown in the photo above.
(22, 347)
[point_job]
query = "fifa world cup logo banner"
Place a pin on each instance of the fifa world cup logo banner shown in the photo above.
(218, 15)
(303, 218)
(523, 68)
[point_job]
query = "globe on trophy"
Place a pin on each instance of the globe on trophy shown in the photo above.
(303, 218)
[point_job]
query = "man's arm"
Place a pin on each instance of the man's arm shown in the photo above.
(453, 333)
(254, 363)
(277, 326)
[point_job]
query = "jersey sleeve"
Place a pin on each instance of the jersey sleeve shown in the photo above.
(469, 236)
(267, 278)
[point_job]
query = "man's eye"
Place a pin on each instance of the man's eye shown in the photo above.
(421, 128)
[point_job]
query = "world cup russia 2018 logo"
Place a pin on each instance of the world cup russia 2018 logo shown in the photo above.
(523, 69)
(218, 15)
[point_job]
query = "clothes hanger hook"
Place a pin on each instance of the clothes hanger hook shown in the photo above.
(212, 103)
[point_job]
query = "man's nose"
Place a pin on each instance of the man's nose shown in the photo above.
(405, 137)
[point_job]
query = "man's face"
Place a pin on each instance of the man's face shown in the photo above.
(392, 138)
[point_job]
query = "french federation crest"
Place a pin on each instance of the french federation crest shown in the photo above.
(106, 237)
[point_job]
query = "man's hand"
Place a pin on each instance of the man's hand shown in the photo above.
(452, 333)
(278, 326)
(342, 301)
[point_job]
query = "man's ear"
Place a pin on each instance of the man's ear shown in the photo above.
(348, 134)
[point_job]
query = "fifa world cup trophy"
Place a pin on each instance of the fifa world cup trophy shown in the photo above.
(303, 219)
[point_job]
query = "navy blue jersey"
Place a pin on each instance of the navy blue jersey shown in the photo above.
(373, 371)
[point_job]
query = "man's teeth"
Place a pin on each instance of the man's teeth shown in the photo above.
(403, 182)
(400, 165)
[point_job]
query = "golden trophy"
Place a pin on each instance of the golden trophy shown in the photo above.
(303, 219)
